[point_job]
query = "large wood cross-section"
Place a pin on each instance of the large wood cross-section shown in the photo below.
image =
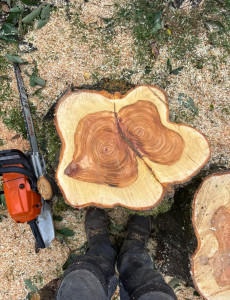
(123, 150)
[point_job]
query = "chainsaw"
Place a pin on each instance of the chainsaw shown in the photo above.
(24, 183)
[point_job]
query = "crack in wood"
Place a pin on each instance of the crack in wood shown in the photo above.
(130, 144)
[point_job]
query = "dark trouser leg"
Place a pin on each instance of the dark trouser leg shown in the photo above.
(91, 276)
(139, 281)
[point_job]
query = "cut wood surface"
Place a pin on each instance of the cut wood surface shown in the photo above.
(211, 221)
(123, 150)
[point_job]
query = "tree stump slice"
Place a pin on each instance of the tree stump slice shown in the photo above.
(211, 221)
(122, 149)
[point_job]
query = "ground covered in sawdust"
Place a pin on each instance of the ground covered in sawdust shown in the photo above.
(111, 46)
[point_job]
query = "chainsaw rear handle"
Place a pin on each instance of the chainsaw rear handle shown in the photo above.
(20, 170)
(14, 161)
(14, 156)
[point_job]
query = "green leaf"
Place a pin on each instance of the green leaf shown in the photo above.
(116, 228)
(2, 200)
(57, 218)
(30, 2)
(13, 18)
(156, 28)
(32, 82)
(15, 59)
(8, 29)
(30, 285)
(157, 22)
(212, 25)
(45, 14)
(33, 15)
(188, 103)
(157, 17)
(65, 232)
(169, 66)
(171, 70)
(174, 283)
(39, 81)
(2, 216)
(35, 80)
(42, 23)
(59, 235)
(17, 9)
(1, 142)
(227, 3)
(70, 259)
(177, 71)
(148, 69)
(9, 38)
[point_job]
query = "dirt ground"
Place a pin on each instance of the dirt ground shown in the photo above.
(103, 44)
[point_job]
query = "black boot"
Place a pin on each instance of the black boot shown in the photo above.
(139, 228)
(96, 225)
(92, 276)
(138, 279)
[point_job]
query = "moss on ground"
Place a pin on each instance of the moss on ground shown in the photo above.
(158, 23)
(13, 118)
(181, 32)
(5, 91)
(164, 206)
(49, 144)
(47, 137)
(111, 85)
(60, 206)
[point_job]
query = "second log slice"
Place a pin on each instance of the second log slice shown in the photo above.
(211, 221)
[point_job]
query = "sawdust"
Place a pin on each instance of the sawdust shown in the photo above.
(211, 95)
(66, 58)
(65, 53)
(19, 261)
(12, 139)
(94, 12)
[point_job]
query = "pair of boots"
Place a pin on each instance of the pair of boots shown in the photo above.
(92, 276)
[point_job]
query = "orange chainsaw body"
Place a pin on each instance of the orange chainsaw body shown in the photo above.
(23, 204)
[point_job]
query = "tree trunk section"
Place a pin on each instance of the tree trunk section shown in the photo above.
(211, 221)
(123, 150)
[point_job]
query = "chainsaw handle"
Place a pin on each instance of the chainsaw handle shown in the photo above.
(20, 170)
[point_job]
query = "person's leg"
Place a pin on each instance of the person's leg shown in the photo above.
(138, 279)
(92, 276)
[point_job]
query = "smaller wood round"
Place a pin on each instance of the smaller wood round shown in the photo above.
(211, 221)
